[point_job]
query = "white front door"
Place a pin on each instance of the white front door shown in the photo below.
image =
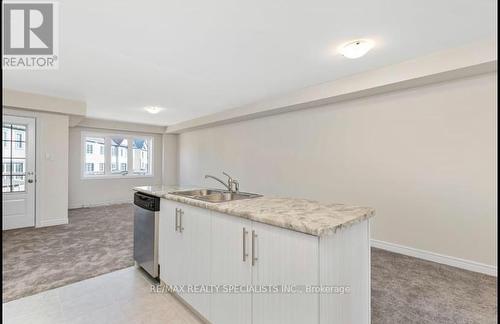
(18, 172)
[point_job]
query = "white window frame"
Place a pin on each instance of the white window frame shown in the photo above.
(107, 156)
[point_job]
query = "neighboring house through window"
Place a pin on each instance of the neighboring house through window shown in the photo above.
(94, 157)
(18, 167)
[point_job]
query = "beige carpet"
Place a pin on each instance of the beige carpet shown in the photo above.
(100, 240)
(96, 241)
(409, 290)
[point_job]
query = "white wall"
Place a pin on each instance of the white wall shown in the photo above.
(94, 192)
(425, 158)
(51, 166)
(170, 159)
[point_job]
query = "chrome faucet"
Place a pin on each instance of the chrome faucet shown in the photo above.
(232, 185)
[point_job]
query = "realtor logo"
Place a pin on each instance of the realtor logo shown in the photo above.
(30, 35)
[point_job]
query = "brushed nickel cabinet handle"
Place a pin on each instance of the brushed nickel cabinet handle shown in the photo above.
(245, 254)
(176, 219)
(254, 258)
(181, 228)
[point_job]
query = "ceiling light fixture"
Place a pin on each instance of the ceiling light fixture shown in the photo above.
(357, 48)
(153, 109)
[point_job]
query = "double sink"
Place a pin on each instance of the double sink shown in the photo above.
(214, 196)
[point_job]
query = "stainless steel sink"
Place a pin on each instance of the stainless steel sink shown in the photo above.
(215, 196)
(196, 192)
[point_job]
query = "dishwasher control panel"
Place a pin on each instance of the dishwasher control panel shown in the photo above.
(148, 202)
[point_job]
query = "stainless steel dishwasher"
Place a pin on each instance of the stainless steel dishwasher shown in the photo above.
(146, 215)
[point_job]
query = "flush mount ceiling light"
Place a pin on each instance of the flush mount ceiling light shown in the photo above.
(153, 109)
(357, 48)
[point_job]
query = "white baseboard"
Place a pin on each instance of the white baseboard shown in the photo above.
(435, 257)
(98, 204)
(53, 222)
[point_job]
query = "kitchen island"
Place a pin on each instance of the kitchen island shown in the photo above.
(266, 259)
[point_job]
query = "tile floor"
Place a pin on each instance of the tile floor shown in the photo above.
(122, 296)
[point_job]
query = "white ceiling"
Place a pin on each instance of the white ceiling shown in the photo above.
(196, 57)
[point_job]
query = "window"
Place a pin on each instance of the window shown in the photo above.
(92, 158)
(119, 158)
(141, 155)
(116, 155)
(13, 158)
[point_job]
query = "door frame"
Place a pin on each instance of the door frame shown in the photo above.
(35, 142)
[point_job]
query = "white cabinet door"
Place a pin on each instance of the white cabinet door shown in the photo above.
(231, 265)
(284, 257)
(170, 248)
(194, 251)
(184, 251)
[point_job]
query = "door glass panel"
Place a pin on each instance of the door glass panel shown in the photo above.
(6, 167)
(18, 166)
(19, 133)
(18, 183)
(14, 158)
(18, 149)
(5, 183)
(6, 132)
(6, 149)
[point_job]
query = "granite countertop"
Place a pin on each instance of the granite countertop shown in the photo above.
(158, 191)
(301, 215)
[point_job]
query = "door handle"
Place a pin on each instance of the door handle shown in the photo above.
(30, 180)
(254, 258)
(245, 254)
